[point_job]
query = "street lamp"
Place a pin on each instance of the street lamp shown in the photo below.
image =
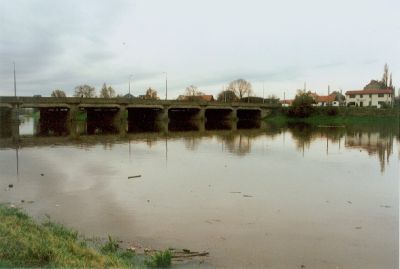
(263, 94)
(130, 78)
(166, 85)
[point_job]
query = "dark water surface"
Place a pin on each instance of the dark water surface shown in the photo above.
(253, 195)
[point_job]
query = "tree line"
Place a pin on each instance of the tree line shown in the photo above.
(87, 91)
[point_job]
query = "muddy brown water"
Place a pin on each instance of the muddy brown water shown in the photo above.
(271, 197)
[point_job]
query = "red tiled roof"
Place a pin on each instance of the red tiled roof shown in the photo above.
(369, 91)
(326, 98)
(288, 101)
(207, 98)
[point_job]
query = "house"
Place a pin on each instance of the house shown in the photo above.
(286, 103)
(375, 98)
(205, 97)
(325, 100)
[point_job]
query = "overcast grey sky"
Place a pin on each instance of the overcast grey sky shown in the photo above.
(61, 44)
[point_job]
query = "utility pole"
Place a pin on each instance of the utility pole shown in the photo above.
(166, 85)
(130, 77)
(15, 83)
(329, 89)
(263, 94)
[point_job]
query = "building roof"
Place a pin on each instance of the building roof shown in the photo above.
(326, 99)
(287, 101)
(207, 98)
(369, 91)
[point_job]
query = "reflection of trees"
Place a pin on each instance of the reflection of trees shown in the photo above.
(191, 143)
(239, 144)
(305, 134)
(375, 143)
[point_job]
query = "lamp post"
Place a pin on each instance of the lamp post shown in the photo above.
(263, 94)
(130, 77)
(166, 85)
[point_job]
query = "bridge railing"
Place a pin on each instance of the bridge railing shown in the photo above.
(124, 101)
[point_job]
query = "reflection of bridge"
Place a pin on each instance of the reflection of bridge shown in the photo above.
(120, 109)
(91, 140)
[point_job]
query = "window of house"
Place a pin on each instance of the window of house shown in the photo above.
(370, 103)
(370, 95)
(380, 94)
(352, 95)
(361, 95)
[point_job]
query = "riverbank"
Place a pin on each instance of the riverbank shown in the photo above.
(339, 117)
(25, 243)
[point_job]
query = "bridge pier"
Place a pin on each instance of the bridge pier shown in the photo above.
(120, 117)
(200, 116)
(162, 115)
(15, 114)
(265, 112)
(72, 113)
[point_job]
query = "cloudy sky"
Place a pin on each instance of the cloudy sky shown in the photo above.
(207, 43)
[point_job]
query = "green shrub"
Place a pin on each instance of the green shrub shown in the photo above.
(332, 111)
(302, 105)
(111, 246)
(161, 259)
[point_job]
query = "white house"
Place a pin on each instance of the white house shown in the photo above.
(374, 98)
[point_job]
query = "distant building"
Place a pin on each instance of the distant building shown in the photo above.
(373, 98)
(286, 103)
(325, 100)
(128, 95)
(206, 98)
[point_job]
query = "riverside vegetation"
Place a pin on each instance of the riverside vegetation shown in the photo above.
(303, 111)
(25, 243)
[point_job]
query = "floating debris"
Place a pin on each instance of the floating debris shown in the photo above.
(134, 176)
(386, 206)
(10, 185)
(248, 196)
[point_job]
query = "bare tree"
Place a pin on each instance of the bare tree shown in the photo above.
(107, 92)
(151, 94)
(240, 87)
(193, 91)
(58, 93)
(85, 91)
(385, 77)
(227, 96)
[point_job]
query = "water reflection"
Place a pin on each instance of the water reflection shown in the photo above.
(235, 137)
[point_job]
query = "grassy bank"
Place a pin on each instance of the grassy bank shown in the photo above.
(25, 243)
(340, 117)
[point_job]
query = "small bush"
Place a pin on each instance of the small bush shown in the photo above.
(161, 259)
(111, 246)
(332, 111)
(302, 105)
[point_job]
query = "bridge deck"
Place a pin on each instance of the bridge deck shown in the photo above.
(9, 101)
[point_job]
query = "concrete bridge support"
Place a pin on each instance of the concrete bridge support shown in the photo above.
(73, 111)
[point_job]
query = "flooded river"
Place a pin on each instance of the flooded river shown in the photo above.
(265, 197)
